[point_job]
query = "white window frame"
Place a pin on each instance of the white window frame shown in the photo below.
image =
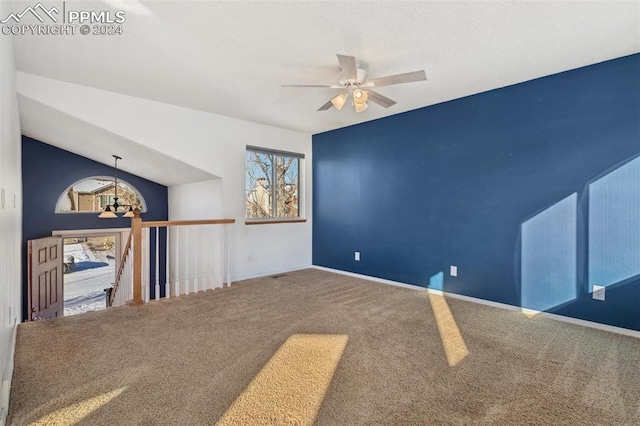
(62, 196)
(274, 218)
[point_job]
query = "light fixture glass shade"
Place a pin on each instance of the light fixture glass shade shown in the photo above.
(340, 100)
(360, 96)
(107, 213)
(360, 100)
(360, 107)
(129, 213)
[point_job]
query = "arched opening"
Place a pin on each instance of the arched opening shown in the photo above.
(94, 193)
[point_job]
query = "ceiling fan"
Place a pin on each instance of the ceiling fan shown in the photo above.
(353, 82)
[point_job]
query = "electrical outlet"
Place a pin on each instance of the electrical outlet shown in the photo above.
(453, 271)
(598, 292)
(3, 201)
(357, 256)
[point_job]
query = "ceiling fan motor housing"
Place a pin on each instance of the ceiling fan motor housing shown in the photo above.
(361, 77)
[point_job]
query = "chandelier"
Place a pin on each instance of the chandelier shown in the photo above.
(111, 209)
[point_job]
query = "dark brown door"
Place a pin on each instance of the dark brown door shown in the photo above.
(45, 278)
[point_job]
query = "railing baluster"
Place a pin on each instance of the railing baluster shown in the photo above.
(201, 255)
(125, 278)
(205, 260)
(201, 259)
(144, 265)
(186, 261)
(157, 290)
(142, 270)
(130, 286)
(147, 264)
(205, 257)
(129, 268)
(177, 276)
(210, 257)
(214, 256)
(166, 264)
(228, 241)
(195, 259)
(220, 256)
(126, 283)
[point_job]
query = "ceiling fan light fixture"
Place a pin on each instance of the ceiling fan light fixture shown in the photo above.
(360, 100)
(340, 100)
(360, 107)
(353, 79)
(360, 96)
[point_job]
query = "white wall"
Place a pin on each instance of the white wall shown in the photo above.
(199, 200)
(10, 213)
(210, 142)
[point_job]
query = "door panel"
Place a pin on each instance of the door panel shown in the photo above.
(53, 286)
(45, 278)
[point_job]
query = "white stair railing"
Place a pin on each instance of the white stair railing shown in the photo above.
(197, 257)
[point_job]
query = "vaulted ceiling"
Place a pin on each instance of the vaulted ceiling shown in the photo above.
(231, 58)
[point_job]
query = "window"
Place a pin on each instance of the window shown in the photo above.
(94, 193)
(272, 184)
(106, 200)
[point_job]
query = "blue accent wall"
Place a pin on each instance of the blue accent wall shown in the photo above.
(48, 171)
(488, 183)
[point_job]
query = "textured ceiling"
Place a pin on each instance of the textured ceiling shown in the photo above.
(231, 58)
(47, 124)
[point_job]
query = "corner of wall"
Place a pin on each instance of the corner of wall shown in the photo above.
(10, 215)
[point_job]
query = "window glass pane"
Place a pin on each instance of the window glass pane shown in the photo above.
(287, 186)
(259, 173)
(93, 194)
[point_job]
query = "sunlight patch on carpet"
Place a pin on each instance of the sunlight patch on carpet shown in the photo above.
(75, 412)
(291, 387)
(454, 346)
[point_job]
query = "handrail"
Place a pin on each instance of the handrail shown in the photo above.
(162, 223)
(135, 264)
(125, 252)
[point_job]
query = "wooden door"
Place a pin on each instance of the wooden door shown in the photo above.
(46, 283)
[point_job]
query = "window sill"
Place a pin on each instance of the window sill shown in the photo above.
(272, 221)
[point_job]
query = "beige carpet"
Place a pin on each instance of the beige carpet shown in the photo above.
(315, 346)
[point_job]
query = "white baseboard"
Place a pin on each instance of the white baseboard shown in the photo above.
(7, 375)
(368, 278)
(528, 312)
(267, 273)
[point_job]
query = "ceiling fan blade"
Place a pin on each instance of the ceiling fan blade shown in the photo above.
(380, 100)
(330, 86)
(348, 65)
(326, 106)
(396, 79)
